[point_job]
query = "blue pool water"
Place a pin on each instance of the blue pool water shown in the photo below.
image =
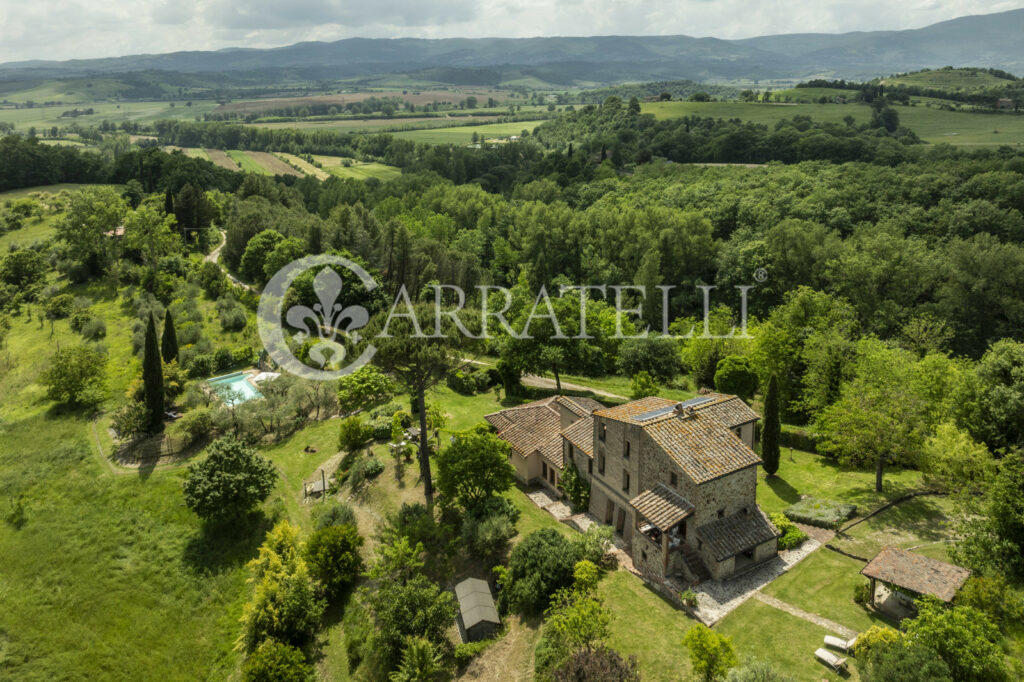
(234, 388)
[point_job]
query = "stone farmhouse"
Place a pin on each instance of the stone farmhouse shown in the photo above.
(676, 480)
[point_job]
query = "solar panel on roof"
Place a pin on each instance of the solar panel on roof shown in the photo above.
(654, 413)
(694, 402)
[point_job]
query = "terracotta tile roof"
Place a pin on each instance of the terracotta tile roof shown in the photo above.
(589, 405)
(916, 573)
(701, 446)
(729, 410)
(629, 410)
(737, 533)
(662, 506)
(581, 434)
(536, 426)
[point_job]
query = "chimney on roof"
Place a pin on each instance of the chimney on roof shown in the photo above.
(684, 411)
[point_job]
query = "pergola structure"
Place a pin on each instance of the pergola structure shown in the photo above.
(914, 573)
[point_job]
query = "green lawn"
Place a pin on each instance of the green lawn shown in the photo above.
(645, 625)
(804, 473)
(823, 583)
(785, 641)
(921, 524)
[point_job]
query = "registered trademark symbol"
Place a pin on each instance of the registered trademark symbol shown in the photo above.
(760, 275)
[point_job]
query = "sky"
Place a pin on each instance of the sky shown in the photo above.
(79, 29)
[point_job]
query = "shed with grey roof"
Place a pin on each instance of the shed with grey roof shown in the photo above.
(477, 617)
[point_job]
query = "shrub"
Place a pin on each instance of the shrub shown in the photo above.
(820, 513)
(94, 329)
(333, 513)
(594, 544)
(541, 564)
(285, 604)
(380, 428)
(862, 593)
(797, 439)
(333, 556)
(130, 420)
(196, 425)
(223, 359)
(735, 374)
(711, 654)
(488, 537)
(792, 536)
(60, 306)
(468, 382)
(363, 470)
(273, 661)
(598, 664)
(79, 318)
(466, 652)
(233, 319)
(688, 597)
(352, 434)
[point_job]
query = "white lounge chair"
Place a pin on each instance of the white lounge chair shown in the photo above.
(842, 644)
(830, 659)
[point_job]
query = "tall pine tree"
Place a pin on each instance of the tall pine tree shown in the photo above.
(169, 340)
(153, 379)
(772, 428)
(168, 202)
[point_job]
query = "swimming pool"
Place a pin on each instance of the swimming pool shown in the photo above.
(234, 388)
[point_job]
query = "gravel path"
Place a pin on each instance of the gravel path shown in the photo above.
(809, 617)
(544, 382)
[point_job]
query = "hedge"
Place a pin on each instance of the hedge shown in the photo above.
(821, 513)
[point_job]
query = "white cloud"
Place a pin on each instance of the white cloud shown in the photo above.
(70, 29)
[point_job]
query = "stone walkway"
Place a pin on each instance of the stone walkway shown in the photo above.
(830, 625)
(716, 598)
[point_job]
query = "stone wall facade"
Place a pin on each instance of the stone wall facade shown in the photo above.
(627, 461)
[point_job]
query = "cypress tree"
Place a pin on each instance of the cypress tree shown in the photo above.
(153, 378)
(772, 428)
(168, 202)
(169, 340)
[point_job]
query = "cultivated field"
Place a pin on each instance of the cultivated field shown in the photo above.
(272, 164)
(419, 97)
(933, 125)
(464, 134)
(113, 112)
(335, 165)
(221, 159)
(304, 166)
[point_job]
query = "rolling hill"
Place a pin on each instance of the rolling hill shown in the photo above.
(991, 40)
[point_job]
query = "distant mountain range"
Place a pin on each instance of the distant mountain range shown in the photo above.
(991, 40)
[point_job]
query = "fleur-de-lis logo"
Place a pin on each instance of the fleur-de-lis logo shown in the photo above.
(329, 321)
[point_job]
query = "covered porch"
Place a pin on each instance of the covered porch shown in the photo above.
(896, 577)
(660, 515)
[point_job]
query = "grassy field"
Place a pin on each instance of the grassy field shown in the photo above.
(804, 473)
(810, 95)
(359, 170)
(932, 124)
(962, 80)
(305, 167)
(194, 152)
(114, 112)
(246, 163)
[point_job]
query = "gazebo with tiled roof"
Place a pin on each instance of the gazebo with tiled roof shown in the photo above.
(914, 573)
